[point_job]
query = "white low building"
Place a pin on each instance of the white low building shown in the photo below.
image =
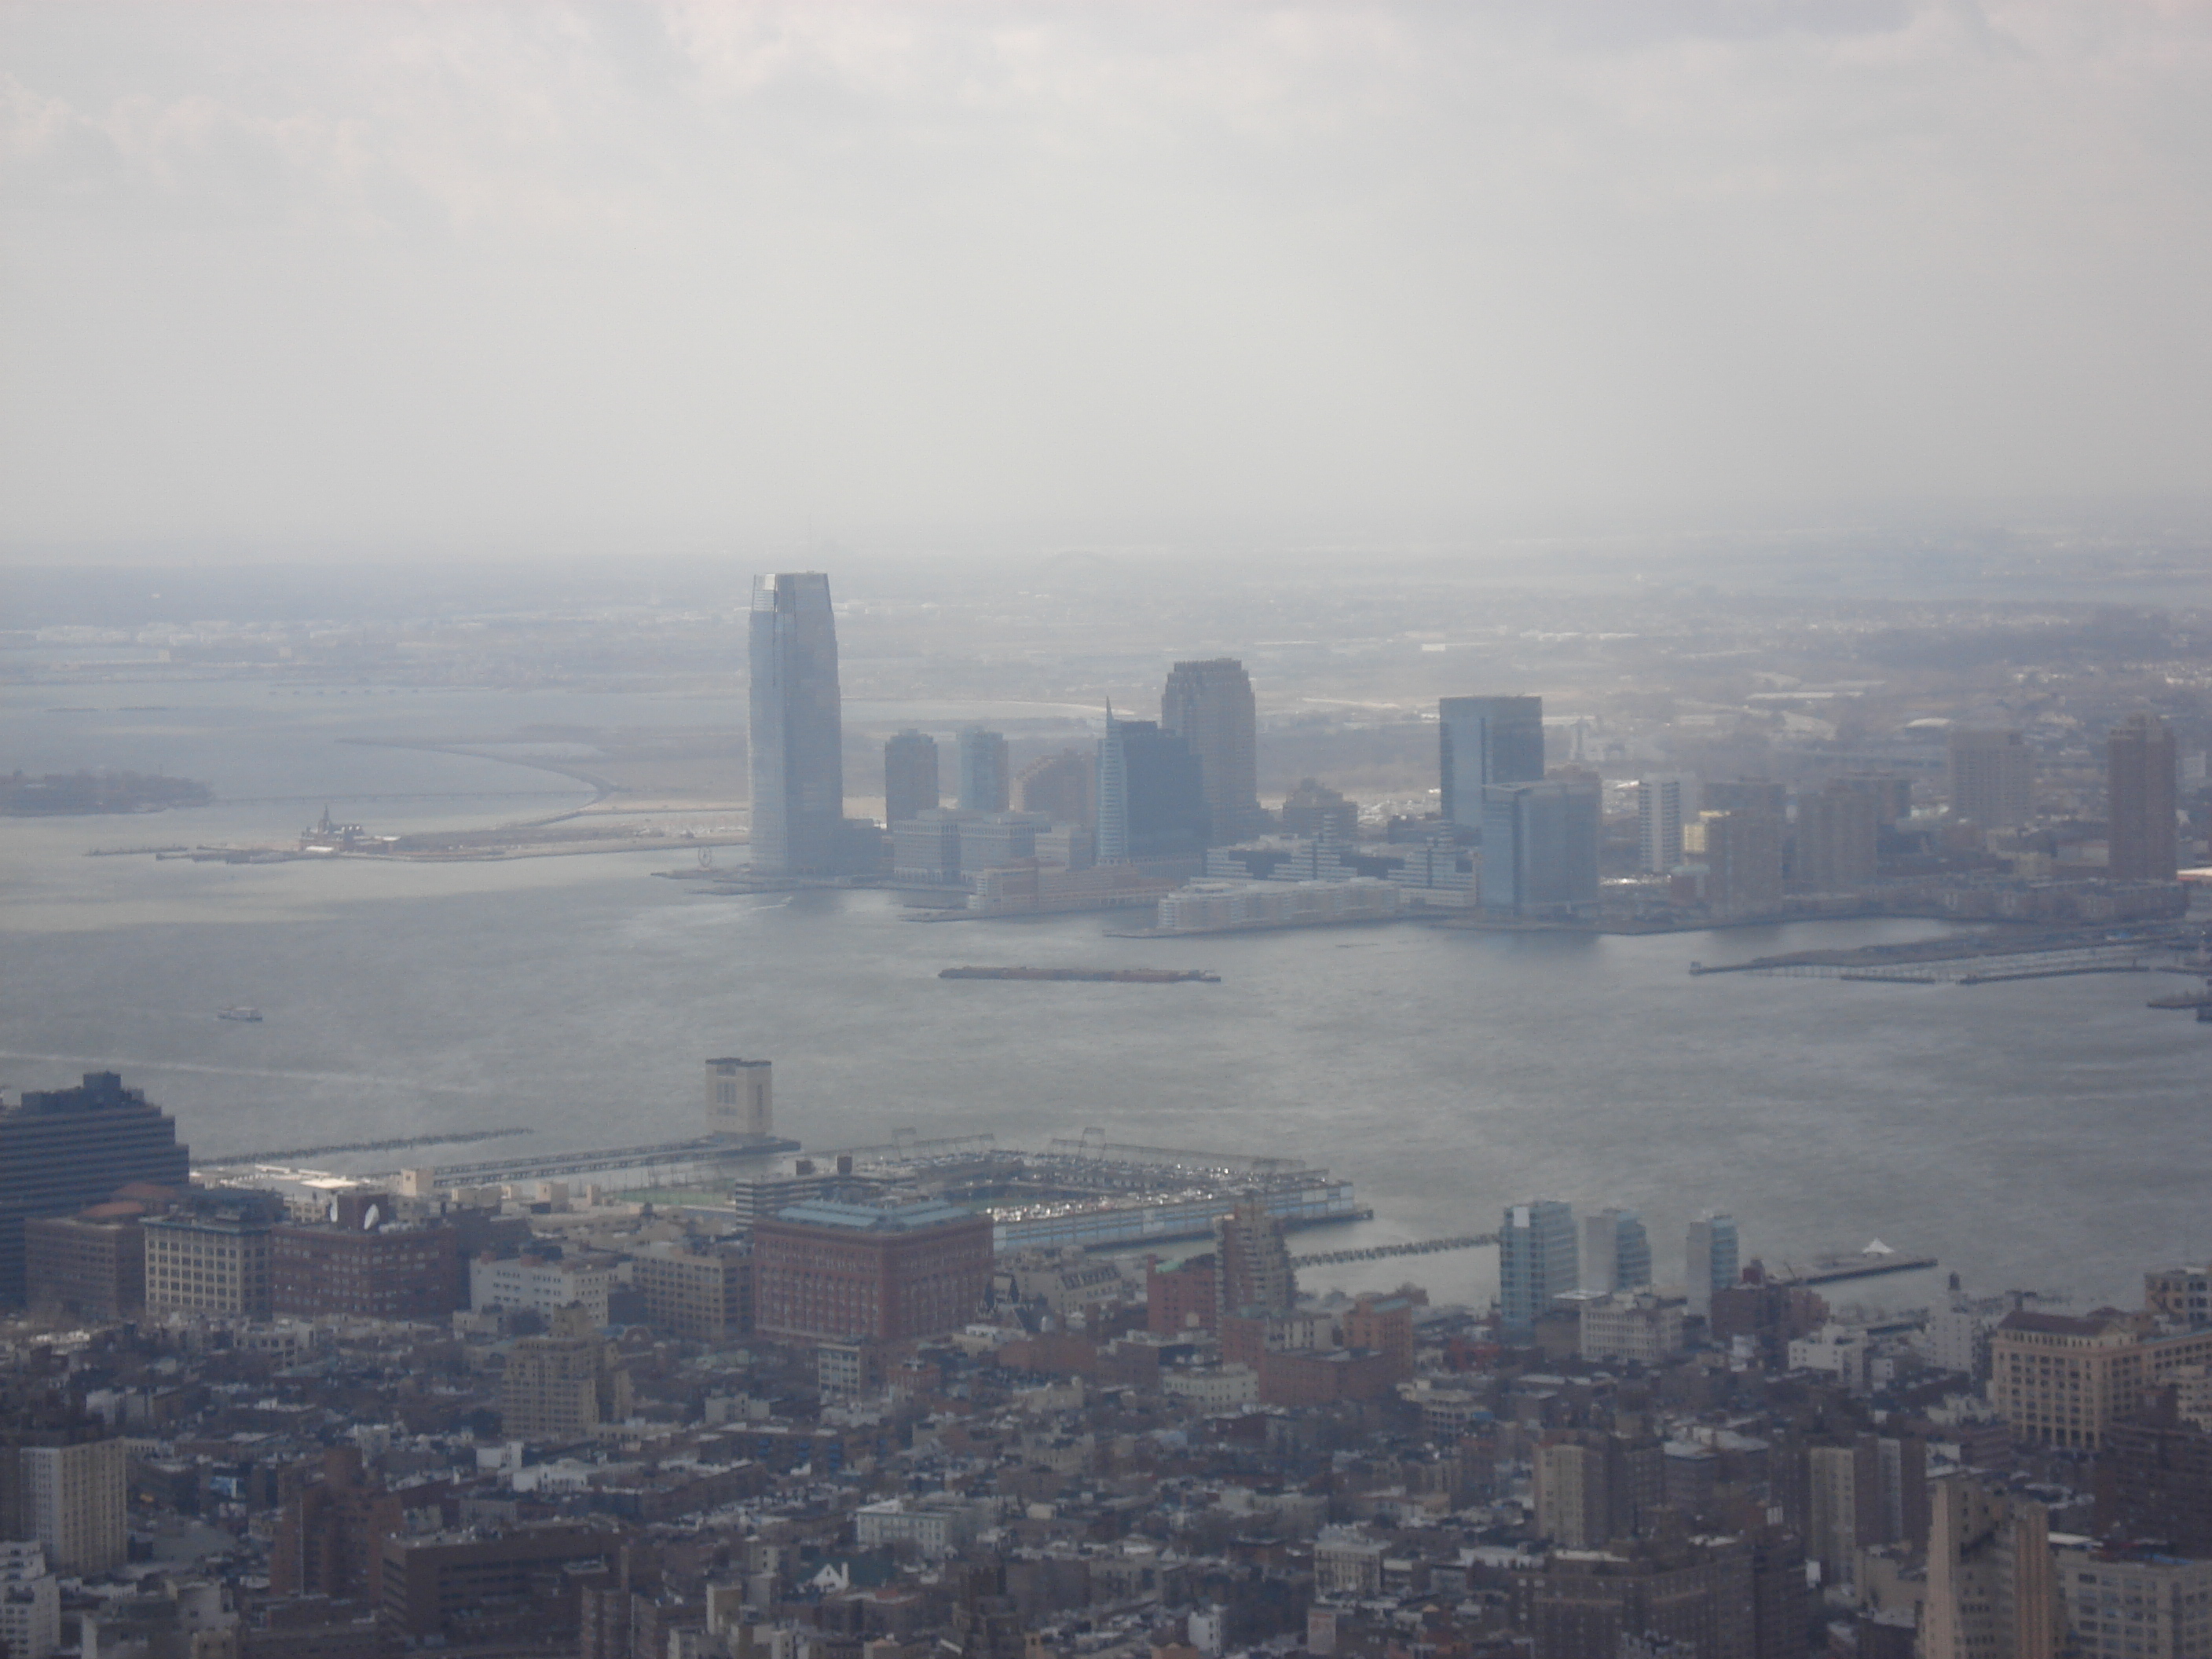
(1214, 1388)
(933, 1527)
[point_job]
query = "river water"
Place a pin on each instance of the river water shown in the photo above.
(2047, 1135)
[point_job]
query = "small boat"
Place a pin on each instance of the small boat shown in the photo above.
(250, 1015)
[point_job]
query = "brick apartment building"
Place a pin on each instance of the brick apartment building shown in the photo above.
(826, 1271)
(362, 1265)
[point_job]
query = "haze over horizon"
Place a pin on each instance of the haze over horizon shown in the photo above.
(658, 280)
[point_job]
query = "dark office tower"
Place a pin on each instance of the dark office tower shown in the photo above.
(1486, 740)
(1062, 786)
(1838, 832)
(2140, 782)
(1539, 848)
(1209, 705)
(63, 1149)
(910, 776)
(1993, 778)
(1151, 799)
(983, 774)
(1253, 1276)
(797, 727)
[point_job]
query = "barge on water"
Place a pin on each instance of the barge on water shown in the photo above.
(1090, 975)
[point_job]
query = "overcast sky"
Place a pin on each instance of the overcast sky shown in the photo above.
(672, 278)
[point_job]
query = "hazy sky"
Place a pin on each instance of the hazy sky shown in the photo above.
(677, 277)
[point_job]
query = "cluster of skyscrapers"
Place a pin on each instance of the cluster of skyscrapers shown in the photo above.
(1542, 1256)
(1152, 796)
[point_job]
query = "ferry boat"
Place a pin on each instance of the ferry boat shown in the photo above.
(249, 1016)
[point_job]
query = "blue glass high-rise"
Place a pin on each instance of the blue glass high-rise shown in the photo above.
(1538, 1260)
(795, 728)
(1486, 740)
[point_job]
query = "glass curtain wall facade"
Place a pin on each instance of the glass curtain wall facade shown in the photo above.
(796, 727)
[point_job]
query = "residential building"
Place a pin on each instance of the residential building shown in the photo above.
(926, 847)
(1061, 787)
(1539, 848)
(1483, 742)
(73, 1504)
(367, 1269)
(702, 1293)
(1664, 804)
(30, 1603)
(1631, 1325)
(1741, 851)
(2181, 1295)
(64, 1149)
(1573, 1509)
(1712, 1262)
(91, 1266)
(2153, 1481)
(1616, 1252)
(1837, 837)
(516, 1590)
(1992, 1584)
(1691, 1600)
(330, 1533)
(543, 1281)
(910, 776)
(1319, 813)
(1209, 705)
(986, 781)
(1992, 777)
(1843, 1507)
(562, 1388)
(2062, 1381)
(1253, 1276)
(1537, 1262)
(886, 1272)
(999, 841)
(2140, 786)
(1348, 1564)
(212, 1256)
(1152, 795)
(933, 1527)
(741, 1098)
(795, 728)
(2135, 1604)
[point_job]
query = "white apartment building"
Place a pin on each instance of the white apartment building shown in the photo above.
(1214, 1388)
(30, 1603)
(934, 1528)
(74, 1504)
(543, 1284)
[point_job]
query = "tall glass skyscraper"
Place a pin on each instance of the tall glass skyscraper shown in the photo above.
(1712, 1259)
(1209, 705)
(984, 783)
(1151, 797)
(1616, 1252)
(1540, 846)
(1482, 741)
(1537, 1261)
(796, 727)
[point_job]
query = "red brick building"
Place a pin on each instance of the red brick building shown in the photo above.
(826, 1271)
(1182, 1299)
(362, 1266)
(92, 1266)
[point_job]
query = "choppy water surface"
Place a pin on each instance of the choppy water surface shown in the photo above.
(2046, 1134)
